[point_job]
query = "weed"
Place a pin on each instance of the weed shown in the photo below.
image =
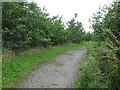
(56, 70)
(60, 63)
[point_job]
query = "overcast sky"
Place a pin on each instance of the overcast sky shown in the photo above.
(67, 8)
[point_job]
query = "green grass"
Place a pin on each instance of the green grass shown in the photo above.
(90, 75)
(60, 63)
(18, 66)
(56, 70)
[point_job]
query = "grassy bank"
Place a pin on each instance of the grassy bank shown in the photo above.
(15, 67)
(94, 71)
(89, 72)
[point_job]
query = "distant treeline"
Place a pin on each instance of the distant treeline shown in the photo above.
(26, 25)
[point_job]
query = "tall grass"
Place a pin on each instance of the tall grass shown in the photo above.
(90, 75)
(95, 70)
(15, 67)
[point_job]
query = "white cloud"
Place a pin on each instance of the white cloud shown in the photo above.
(67, 8)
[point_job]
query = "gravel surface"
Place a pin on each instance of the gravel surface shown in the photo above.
(59, 74)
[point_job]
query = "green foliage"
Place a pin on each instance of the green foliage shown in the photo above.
(100, 68)
(96, 71)
(89, 36)
(57, 31)
(76, 31)
(23, 25)
(112, 19)
(107, 17)
(106, 26)
(26, 25)
(89, 71)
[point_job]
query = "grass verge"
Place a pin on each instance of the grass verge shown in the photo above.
(93, 72)
(88, 71)
(18, 66)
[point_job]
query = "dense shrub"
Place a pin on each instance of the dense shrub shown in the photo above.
(107, 29)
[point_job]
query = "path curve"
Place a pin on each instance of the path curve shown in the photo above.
(59, 74)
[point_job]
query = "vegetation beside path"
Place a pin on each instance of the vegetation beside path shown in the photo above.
(18, 66)
(91, 73)
(96, 70)
(101, 66)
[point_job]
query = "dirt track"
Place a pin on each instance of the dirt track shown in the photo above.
(59, 74)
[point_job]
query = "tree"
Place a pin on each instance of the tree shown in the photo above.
(76, 31)
(24, 25)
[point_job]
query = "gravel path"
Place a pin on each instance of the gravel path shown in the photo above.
(59, 74)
